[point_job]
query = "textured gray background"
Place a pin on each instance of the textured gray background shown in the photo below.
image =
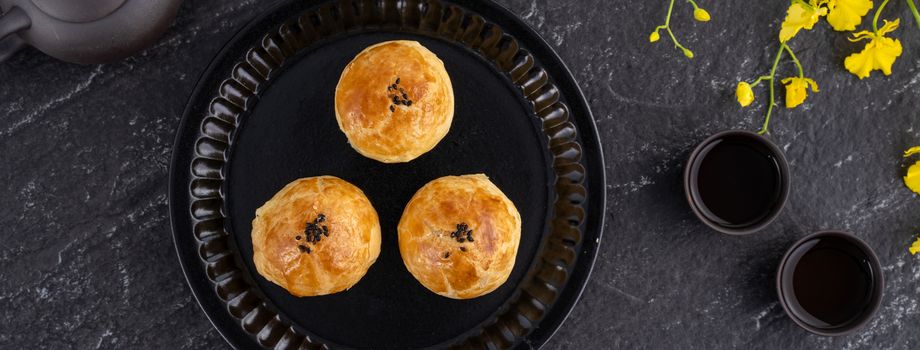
(86, 258)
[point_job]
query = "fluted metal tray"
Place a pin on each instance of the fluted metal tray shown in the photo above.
(262, 116)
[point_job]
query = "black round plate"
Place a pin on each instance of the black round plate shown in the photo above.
(262, 116)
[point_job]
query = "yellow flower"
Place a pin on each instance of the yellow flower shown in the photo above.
(654, 37)
(745, 94)
(912, 151)
(701, 15)
(800, 15)
(688, 53)
(797, 90)
(879, 53)
(845, 15)
(912, 179)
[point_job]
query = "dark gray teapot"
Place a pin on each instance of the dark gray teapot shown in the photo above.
(83, 31)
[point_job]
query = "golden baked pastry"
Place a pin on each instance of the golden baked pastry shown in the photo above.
(316, 236)
(459, 236)
(394, 101)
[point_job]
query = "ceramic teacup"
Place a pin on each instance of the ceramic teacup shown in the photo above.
(830, 283)
(736, 181)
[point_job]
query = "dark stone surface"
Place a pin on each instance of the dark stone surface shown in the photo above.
(87, 259)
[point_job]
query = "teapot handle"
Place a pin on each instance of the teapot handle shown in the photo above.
(11, 22)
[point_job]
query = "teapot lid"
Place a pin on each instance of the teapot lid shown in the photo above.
(84, 31)
(78, 11)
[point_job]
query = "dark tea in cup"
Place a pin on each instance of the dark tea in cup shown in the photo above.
(736, 181)
(830, 283)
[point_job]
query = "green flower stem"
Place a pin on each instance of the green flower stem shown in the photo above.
(759, 79)
(913, 9)
(796, 60)
(695, 6)
(667, 20)
(877, 13)
(667, 27)
(766, 122)
(674, 39)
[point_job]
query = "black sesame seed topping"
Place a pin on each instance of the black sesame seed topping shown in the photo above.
(313, 233)
(446, 255)
(398, 96)
(463, 233)
(462, 249)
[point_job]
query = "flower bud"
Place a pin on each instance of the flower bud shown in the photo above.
(745, 94)
(701, 15)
